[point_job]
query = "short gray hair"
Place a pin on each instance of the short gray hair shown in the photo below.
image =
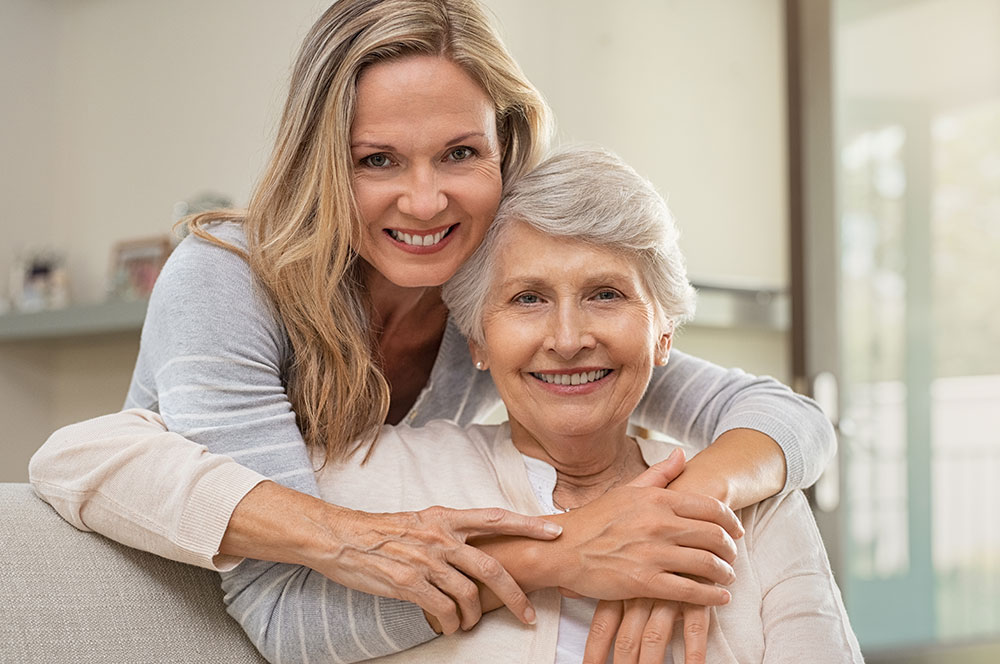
(589, 195)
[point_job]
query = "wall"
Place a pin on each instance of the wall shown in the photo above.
(124, 108)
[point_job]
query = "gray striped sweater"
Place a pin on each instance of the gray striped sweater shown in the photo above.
(212, 362)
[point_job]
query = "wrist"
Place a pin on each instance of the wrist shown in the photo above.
(708, 484)
(534, 564)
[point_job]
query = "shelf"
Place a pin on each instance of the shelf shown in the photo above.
(738, 307)
(718, 307)
(75, 321)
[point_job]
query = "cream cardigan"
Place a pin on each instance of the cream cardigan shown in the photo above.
(786, 606)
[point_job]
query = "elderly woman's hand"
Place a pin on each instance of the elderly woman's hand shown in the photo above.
(643, 541)
(640, 631)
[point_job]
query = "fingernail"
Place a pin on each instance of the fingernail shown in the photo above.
(529, 615)
(552, 528)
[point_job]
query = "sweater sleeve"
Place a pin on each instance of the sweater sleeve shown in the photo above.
(212, 361)
(696, 402)
(107, 475)
(803, 615)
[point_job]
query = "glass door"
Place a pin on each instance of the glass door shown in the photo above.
(916, 277)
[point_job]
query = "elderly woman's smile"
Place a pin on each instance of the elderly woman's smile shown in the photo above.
(571, 334)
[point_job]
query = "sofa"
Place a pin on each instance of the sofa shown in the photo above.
(71, 596)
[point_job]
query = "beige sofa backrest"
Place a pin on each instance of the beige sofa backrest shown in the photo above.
(70, 596)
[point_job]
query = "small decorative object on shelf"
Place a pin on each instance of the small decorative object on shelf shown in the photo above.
(135, 264)
(38, 282)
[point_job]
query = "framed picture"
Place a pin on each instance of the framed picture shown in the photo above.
(135, 265)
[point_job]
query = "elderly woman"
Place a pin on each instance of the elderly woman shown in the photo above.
(569, 303)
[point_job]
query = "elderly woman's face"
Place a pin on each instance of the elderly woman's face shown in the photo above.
(571, 334)
(426, 168)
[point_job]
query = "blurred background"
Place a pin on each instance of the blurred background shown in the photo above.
(834, 166)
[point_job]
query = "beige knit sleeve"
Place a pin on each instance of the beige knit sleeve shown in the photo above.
(126, 477)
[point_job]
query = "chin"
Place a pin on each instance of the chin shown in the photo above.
(423, 277)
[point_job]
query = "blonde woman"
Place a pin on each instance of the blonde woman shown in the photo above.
(305, 322)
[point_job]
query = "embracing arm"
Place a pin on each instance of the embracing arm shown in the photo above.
(211, 361)
(125, 476)
(758, 437)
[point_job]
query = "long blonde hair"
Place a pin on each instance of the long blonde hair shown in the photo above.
(302, 220)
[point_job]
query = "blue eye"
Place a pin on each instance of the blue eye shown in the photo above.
(607, 295)
(378, 160)
(527, 298)
(461, 154)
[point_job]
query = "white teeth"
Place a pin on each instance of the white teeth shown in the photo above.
(572, 379)
(418, 240)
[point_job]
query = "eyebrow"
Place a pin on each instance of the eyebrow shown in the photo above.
(592, 280)
(390, 148)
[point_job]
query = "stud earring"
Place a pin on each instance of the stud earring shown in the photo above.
(479, 365)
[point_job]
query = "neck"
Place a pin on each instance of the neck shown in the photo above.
(587, 465)
(393, 304)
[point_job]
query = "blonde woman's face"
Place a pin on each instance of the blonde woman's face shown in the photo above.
(426, 168)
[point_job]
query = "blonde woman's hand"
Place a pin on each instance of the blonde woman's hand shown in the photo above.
(640, 631)
(423, 557)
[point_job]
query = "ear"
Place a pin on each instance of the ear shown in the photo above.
(478, 356)
(663, 345)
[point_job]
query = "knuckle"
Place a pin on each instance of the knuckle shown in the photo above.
(600, 628)
(695, 629)
(489, 567)
(435, 514)
(407, 577)
(494, 515)
(687, 592)
(467, 595)
(653, 637)
(625, 644)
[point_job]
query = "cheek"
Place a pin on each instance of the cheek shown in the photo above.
(509, 345)
(369, 200)
(483, 194)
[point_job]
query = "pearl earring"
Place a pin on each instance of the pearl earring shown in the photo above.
(479, 365)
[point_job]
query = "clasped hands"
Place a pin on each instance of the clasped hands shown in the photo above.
(650, 554)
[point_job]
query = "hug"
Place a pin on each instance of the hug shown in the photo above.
(325, 358)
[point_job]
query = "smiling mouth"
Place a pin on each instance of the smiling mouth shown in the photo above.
(581, 378)
(416, 240)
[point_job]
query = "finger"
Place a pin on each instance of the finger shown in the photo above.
(661, 474)
(436, 603)
(686, 561)
(628, 642)
(658, 632)
(603, 627)
(696, 622)
(463, 591)
(682, 589)
(492, 574)
(705, 508)
(497, 521)
(566, 592)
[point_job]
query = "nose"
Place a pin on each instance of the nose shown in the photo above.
(422, 197)
(570, 332)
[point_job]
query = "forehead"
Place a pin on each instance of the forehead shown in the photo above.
(527, 254)
(415, 94)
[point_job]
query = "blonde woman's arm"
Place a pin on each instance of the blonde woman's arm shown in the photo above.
(756, 437)
(125, 476)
